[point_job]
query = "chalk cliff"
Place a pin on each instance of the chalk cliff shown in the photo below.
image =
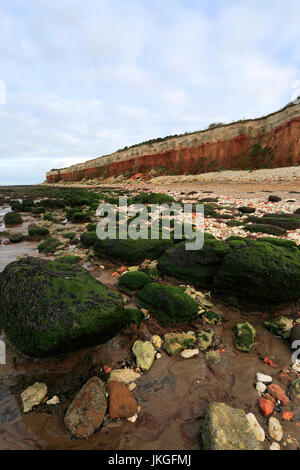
(268, 142)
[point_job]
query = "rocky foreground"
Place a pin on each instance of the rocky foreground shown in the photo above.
(124, 344)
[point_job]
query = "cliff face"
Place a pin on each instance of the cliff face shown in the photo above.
(269, 142)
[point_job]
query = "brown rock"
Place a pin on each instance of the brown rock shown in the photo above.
(122, 404)
(278, 393)
(284, 378)
(87, 411)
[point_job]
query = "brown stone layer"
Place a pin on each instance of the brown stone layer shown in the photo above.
(270, 142)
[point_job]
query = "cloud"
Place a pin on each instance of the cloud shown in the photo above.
(84, 79)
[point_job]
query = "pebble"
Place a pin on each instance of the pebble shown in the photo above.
(156, 341)
(263, 378)
(256, 427)
(53, 401)
(266, 407)
(131, 386)
(188, 353)
(275, 429)
(261, 387)
(33, 396)
(274, 446)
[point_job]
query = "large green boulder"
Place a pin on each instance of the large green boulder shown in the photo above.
(88, 238)
(197, 267)
(227, 428)
(169, 304)
(13, 218)
(131, 251)
(132, 281)
(265, 228)
(259, 274)
(48, 307)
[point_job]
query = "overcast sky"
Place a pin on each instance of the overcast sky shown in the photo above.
(86, 77)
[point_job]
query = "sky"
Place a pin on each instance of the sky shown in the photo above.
(81, 79)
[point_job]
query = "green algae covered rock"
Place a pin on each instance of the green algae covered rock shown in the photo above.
(132, 281)
(211, 317)
(88, 238)
(280, 326)
(49, 246)
(13, 218)
(177, 342)
(131, 251)
(227, 428)
(213, 356)
(144, 353)
(48, 307)
(244, 336)
(198, 267)
(265, 228)
(169, 304)
(205, 338)
(15, 237)
(259, 274)
(295, 388)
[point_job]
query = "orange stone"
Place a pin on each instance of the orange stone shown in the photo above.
(278, 393)
(287, 415)
(266, 407)
(122, 403)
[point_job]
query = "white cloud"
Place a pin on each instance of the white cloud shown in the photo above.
(84, 79)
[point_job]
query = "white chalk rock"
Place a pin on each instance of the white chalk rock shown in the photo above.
(260, 387)
(275, 429)
(256, 427)
(263, 378)
(53, 401)
(33, 395)
(188, 353)
(274, 446)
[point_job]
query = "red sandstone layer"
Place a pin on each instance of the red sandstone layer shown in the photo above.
(269, 142)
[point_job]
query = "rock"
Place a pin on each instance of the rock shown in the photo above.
(241, 278)
(33, 396)
(295, 388)
(177, 342)
(48, 307)
(86, 413)
(275, 429)
(227, 428)
(261, 387)
(295, 334)
(168, 304)
(266, 379)
(284, 377)
(287, 415)
(274, 198)
(144, 353)
(213, 356)
(278, 393)
(205, 338)
(256, 427)
(156, 341)
(244, 336)
(122, 404)
(131, 386)
(53, 401)
(126, 376)
(198, 266)
(246, 210)
(280, 326)
(15, 237)
(274, 446)
(188, 353)
(266, 407)
(211, 317)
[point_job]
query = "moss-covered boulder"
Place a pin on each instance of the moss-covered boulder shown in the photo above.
(244, 336)
(280, 326)
(69, 259)
(197, 267)
(132, 281)
(169, 304)
(88, 239)
(49, 307)
(278, 242)
(38, 232)
(265, 228)
(259, 274)
(227, 428)
(15, 237)
(134, 316)
(49, 246)
(285, 222)
(13, 218)
(131, 251)
(177, 342)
